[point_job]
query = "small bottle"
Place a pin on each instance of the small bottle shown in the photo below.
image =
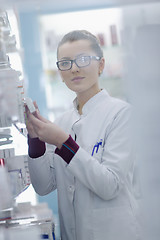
(2, 163)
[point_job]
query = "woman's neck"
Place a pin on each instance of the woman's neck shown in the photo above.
(83, 98)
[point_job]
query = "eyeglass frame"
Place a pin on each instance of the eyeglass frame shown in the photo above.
(74, 61)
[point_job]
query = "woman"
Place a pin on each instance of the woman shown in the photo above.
(88, 158)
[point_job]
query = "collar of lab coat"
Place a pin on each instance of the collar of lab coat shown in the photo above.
(92, 102)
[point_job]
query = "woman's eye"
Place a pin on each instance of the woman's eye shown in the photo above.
(65, 63)
(81, 60)
(84, 59)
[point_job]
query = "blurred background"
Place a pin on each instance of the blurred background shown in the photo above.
(129, 33)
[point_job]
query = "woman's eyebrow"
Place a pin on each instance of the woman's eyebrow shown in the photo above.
(65, 58)
(68, 58)
(80, 54)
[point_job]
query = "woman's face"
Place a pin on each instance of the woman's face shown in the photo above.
(80, 80)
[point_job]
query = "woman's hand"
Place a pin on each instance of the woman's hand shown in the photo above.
(45, 130)
(28, 123)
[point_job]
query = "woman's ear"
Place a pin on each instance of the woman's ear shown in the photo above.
(101, 65)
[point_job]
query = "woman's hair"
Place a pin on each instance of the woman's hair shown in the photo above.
(82, 35)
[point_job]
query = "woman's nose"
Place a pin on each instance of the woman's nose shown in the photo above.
(74, 68)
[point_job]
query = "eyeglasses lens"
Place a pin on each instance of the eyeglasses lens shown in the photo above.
(83, 61)
(64, 65)
(80, 62)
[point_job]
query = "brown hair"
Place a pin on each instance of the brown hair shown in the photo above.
(82, 35)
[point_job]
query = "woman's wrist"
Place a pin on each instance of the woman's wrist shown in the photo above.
(36, 147)
(62, 137)
(32, 135)
(68, 150)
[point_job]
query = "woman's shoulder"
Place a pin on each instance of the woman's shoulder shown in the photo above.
(114, 101)
(119, 102)
(115, 104)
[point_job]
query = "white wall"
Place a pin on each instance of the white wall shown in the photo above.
(142, 41)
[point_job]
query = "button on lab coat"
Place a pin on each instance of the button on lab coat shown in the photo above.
(95, 190)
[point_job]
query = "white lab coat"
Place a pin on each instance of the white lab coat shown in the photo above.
(95, 193)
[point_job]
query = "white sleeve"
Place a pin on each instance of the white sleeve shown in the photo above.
(106, 177)
(42, 172)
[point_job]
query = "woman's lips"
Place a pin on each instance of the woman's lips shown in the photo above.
(76, 79)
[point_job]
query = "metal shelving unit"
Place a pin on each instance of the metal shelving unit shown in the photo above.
(16, 219)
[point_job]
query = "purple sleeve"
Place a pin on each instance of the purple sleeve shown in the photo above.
(36, 148)
(68, 150)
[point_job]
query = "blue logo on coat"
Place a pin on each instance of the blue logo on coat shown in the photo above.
(96, 147)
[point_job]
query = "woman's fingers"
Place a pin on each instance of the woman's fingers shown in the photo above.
(35, 123)
(42, 118)
(29, 124)
(37, 113)
(38, 124)
(36, 106)
(27, 112)
(34, 120)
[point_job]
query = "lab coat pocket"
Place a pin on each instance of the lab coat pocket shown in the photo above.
(98, 154)
(114, 224)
